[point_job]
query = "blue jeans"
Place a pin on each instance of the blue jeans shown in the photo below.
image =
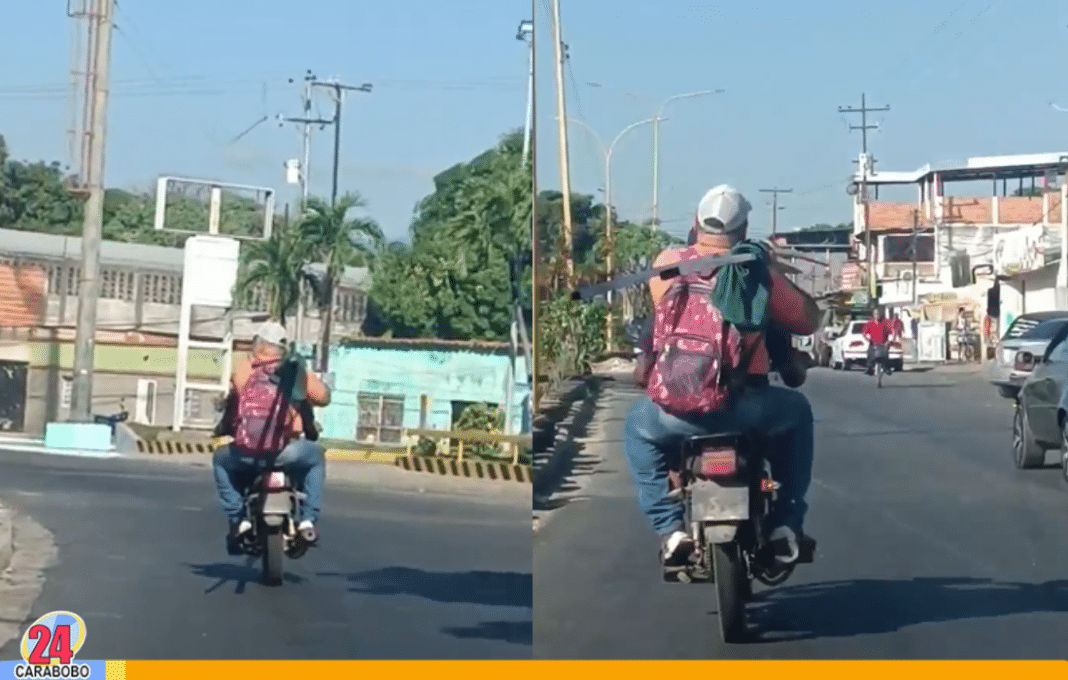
(304, 461)
(770, 411)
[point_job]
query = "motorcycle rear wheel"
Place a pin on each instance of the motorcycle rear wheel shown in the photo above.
(273, 556)
(732, 584)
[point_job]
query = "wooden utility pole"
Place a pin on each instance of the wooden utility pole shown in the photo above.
(915, 263)
(775, 207)
(100, 21)
(863, 128)
(561, 121)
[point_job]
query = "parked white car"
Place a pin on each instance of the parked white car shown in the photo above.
(851, 348)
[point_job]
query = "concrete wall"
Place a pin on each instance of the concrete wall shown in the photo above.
(428, 380)
(1030, 292)
(119, 368)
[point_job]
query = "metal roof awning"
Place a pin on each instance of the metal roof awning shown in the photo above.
(1020, 166)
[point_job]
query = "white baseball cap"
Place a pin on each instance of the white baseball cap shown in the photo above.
(722, 210)
(272, 332)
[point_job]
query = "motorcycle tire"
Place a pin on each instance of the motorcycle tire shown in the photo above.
(273, 556)
(879, 374)
(732, 583)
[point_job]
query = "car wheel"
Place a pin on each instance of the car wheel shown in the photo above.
(1064, 449)
(1026, 453)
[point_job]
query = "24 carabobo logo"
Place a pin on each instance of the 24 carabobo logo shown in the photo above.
(49, 645)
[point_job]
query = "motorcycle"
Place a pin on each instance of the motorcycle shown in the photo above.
(727, 489)
(272, 504)
(114, 419)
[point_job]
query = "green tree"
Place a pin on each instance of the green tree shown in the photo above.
(337, 239)
(276, 266)
(470, 257)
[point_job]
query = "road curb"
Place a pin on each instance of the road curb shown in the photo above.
(553, 467)
(31, 551)
(470, 469)
(7, 538)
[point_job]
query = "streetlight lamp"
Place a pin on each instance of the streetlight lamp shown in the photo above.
(609, 231)
(656, 147)
(525, 33)
(656, 134)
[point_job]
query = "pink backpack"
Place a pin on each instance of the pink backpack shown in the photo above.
(263, 418)
(699, 364)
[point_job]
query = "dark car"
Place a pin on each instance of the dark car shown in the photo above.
(1038, 423)
(1028, 332)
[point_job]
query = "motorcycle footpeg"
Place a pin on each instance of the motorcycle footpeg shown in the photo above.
(806, 550)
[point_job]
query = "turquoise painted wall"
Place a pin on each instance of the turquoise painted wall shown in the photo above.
(444, 375)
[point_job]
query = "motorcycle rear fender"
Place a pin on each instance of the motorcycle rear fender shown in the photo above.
(274, 521)
(277, 503)
(713, 501)
(720, 532)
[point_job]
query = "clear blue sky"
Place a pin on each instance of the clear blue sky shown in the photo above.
(189, 75)
(962, 79)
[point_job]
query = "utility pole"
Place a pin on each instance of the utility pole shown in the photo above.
(864, 110)
(307, 122)
(101, 23)
(561, 121)
(338, 90)
(864, 127)
(775, 207)
(915, 255)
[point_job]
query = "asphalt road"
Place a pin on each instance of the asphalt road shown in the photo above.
(931, 544)
(397, 575)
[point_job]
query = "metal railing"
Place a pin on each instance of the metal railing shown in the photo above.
(464, 438)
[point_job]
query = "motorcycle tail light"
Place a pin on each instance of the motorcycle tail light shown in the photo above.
(719, 461)
(276, 480)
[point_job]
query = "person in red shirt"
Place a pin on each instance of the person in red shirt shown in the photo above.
(878, 332)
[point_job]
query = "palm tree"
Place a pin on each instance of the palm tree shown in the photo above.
(338, 240)
(277, 265)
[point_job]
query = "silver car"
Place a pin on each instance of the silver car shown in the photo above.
(1028, 332)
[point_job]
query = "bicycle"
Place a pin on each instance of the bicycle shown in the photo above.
(881, 358)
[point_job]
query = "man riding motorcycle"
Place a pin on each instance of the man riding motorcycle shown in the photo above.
(878, 332)
(722, 222)
(261, 436)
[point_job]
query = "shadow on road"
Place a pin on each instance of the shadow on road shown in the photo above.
(564, 461)
(868, 607)
(489, 588)
(238, 574)
(513, 632)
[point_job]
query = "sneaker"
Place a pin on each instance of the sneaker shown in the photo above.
(676, 549)
(308, 532)
(784, 542)
(233, 536)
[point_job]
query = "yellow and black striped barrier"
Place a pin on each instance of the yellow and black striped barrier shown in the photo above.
(452, 464)
(209, 445)
(471, 469)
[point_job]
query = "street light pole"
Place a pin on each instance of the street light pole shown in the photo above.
(609, 222)
(656, 147)
(526, 34)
